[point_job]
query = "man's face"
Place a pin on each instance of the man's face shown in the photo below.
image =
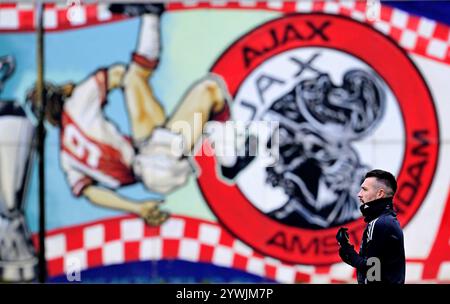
(370, 190)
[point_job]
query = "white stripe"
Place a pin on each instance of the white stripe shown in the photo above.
(219, 2)
(275, 4)
(113, 253)
(76, 15)
(414, 272)
(247, 3)
(341, 271)
(25, 6)
(151, 249)
(358, 16)
(426, 27)
(223, 256)
(103, 12)
(9, 18)
(255, 266)
(408, 39)
(347, 4)
(304, 6)
(132, 229)
(320, 279)
(209, 234)
(190, 3)
(444, 272)
(399, 18)
(189, 250)
(382, 26)
(241, 248)
(331, 7)
(56, 246)
(173, 229)
(50, 19)
(285, 274)
(437, 48)
(370, 229)
(94, 236)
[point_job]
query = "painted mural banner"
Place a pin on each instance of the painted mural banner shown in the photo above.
(140, 186)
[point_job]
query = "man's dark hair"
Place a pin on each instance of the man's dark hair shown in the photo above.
(384, 177)
(55, 100)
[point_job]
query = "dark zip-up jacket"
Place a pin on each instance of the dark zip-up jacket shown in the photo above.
(383, 239)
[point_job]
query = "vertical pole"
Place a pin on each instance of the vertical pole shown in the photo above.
(39, 21)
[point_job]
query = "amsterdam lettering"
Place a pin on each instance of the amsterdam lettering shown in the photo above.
(409, 187)
(297, 244)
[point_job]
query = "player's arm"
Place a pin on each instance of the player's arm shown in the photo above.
(148, 210)
(377, 244)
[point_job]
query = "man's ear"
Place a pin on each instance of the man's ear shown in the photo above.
(381, 193)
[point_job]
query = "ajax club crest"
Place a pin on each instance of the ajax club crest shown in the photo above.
(346, 99)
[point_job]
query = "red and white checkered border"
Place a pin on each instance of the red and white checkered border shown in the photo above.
(126, 239)
(415, 34)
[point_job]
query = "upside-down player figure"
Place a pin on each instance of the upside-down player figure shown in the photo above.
(97, 158)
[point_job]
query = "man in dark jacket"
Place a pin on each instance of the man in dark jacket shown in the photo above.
(381, 257)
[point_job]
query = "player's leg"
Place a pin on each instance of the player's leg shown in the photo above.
(205, 100)
(144, 110)
(160, 163)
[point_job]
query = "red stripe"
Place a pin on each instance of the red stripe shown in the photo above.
(74, 240)
(91, 13)
(318, 6)
(289, 6)
(226, 239)
(62, 18)
(55, 267)
(112, 231)
(395, 33)
(145, 62)
(49, 5)
(170, 248)
(270, 271)
(413, 23)
(95, 257)
(386, 13)
(240, 262)
(26, 19)
(323, 269)
(151, 231)
(360, 6)
(302, 277)
(206, 253)
(8, 5)
(132, 251)
(191, 231)
(441, 32)
(174, 6)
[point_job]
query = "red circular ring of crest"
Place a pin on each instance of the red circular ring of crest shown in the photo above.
(237, 213)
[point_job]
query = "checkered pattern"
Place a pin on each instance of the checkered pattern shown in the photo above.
(21, 16)
(418, 35)
(126, 239)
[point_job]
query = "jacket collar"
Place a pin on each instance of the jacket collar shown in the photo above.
(373, 209)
